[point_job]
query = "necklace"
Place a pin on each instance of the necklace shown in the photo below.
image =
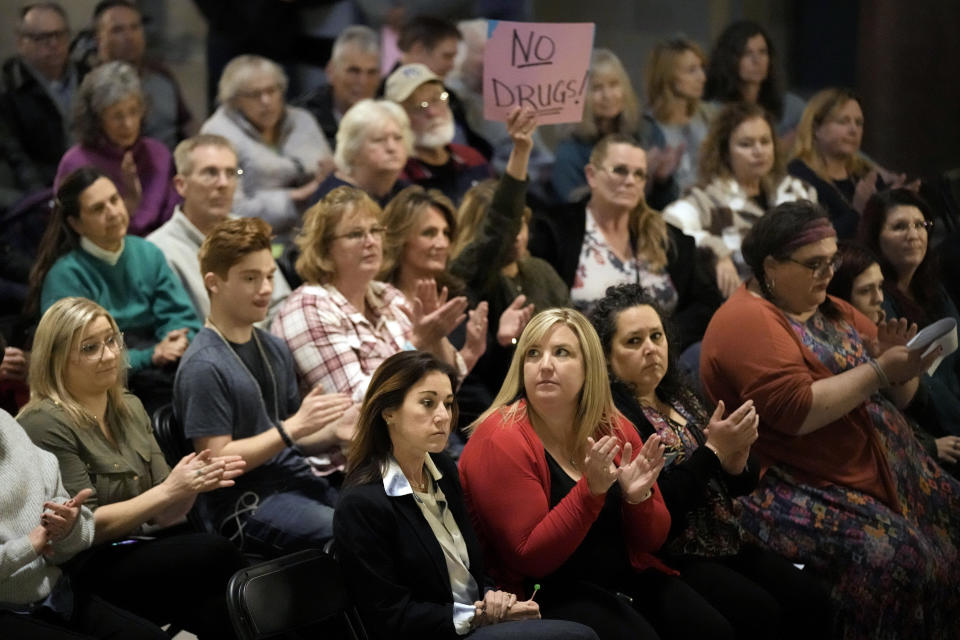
(256, 383)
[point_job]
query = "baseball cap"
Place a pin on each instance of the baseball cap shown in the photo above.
(406, 79)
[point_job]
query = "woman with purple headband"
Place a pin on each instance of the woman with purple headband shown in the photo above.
(846, 489)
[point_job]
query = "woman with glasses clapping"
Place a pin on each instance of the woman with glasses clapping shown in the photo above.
(80, 411)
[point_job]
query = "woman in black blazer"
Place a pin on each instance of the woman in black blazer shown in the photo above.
(401, 531)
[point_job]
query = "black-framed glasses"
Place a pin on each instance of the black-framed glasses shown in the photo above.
(46, 37)
(820, 267)
(93, 350)
(622, 172)
(903, 226)
(358, 235)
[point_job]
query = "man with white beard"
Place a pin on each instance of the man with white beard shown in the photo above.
(436, 162)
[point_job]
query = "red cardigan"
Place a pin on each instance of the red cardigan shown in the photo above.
(506, 483)
(750, 351)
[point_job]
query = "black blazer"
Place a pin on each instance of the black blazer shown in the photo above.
(394, 565)
(684, 485)
(557, 237)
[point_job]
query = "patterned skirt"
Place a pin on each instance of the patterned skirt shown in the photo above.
(893, 576)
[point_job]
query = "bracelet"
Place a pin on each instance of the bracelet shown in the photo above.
(881, 374)
(644, 498)
(716, 452)
(287, 440)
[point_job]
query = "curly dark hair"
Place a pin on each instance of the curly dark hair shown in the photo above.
(676, 386)
(927, 303)
(723, 73)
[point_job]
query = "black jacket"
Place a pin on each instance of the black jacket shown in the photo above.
(557, 237)
(319, 102)
(684, 485)
(394, 565)
(34, 123)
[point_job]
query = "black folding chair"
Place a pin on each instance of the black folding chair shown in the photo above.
(301, 595)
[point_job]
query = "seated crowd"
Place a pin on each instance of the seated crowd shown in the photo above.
(652, 383)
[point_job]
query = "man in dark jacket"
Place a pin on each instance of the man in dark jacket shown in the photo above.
(37, 88)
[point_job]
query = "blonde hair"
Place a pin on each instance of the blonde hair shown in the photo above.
(602, 62)
(401, 218)
(596, 414)
(661, 71)
(364, 120)
(646, 225)
(57, 337)
(319, 222)
(818, 109)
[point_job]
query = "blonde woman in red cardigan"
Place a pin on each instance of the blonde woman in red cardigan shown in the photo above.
(563, 493)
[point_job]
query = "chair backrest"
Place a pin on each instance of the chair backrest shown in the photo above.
(169, 434)
(300, 595)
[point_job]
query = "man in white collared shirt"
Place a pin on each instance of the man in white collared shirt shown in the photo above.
(206, 179)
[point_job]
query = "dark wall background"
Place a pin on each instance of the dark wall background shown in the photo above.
(901, 57)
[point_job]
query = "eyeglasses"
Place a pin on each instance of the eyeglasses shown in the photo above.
(903, 226)
(358, 235)
(259, 94)
(46, 37)
(443, 98)
(210, 175)
(93, 351)
(820, 267)
(622, 172)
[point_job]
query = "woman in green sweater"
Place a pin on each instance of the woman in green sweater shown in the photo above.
(86, 252)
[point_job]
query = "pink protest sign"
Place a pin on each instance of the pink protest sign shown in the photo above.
(542, 65)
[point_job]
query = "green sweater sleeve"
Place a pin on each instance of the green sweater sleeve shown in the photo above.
(171, 305)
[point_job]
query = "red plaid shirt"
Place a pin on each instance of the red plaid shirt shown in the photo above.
(335, 345)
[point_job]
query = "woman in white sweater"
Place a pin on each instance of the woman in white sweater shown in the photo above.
(741, 177)
(41, 527)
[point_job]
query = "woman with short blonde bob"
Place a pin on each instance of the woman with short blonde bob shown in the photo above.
(373, 142)
(342, 323)
(103, 441)
(563, 493)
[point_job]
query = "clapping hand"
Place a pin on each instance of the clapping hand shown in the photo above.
(513, 320)
(58, 519)
(598, 466)
(637, 476)
(731, 437)
(202, 472)
(432, 315)
(476, 342)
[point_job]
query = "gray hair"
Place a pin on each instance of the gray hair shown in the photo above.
(365, 119)
(238, 72)
(102, 88)
(363, 38)
(183, 154)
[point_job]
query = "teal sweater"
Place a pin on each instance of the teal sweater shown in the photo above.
(141, 292)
